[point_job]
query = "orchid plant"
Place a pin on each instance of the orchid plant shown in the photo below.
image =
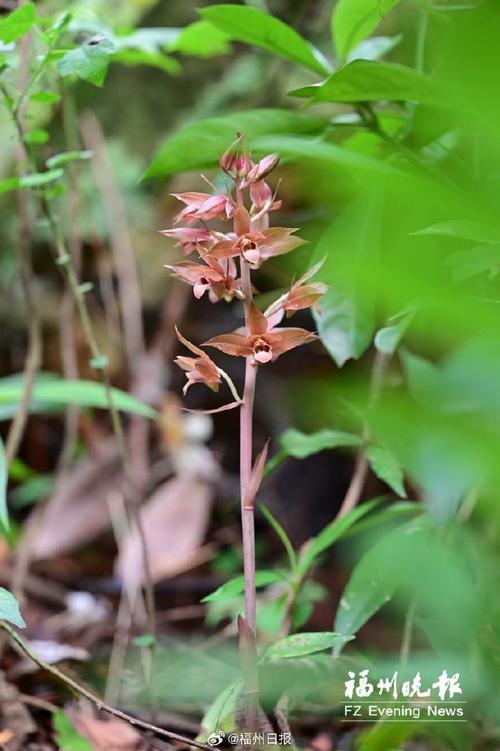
(223, 269)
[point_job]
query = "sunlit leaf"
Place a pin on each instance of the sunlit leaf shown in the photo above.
(354, 20)
(17, 23)
(466, 230)
(202, 39)
(368, 80)
(263, 30)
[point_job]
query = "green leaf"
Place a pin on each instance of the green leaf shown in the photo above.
(36, 136)
(89, 62)
(374, 579)
(45, 97)
(387, 468)
(354, 20)
(56, 392)
(330, 535)
(352, 246)
(292, 557)
(479, 260)
(236, 586)
(300, 445)
(67, 737)
(221, 711)
(36, 180)
(313, 150)
(59, 160)
(17, 23)
(388, 338)
(369, 80)
(262, 30)
(201, 39)
(299, 645)
(201, 144)
(4, 475)
(373, 49)
(144, 640)
(153, 59)
(466, 230)
(9, 609)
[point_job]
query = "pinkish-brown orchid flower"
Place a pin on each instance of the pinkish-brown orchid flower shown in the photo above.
(255, 246)
(218, 278)
(301, 295)
(199, 369)
(262, 198)
(204, 206)
(189, 238)
(263, 342)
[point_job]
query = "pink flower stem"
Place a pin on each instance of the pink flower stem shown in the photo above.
(249, 656)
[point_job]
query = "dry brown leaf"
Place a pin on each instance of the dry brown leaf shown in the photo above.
(78, 510)
(110, 734)
(175, 521)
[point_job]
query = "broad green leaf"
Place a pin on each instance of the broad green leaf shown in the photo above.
(352, 246)
(369, 81)
(300, 445)
(4, 474)
(354, 20)
(466, 230)
(374, 579)
(36, 180)
(478, 260)
(387, 735)
(262, 30)
(236, 586)
(313, 150)
(387, 468)
(56, 392)
(67, 737)
(330, 534)
(17, 23)
(9, 609)
(201, 144)
(202, 39)
(299, 645)
(58, 160)
(89, 62)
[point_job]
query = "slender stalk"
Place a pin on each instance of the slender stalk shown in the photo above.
(249, 656)
(99, 703)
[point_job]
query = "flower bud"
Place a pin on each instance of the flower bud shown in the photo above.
(235, 161)
(262, 168)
